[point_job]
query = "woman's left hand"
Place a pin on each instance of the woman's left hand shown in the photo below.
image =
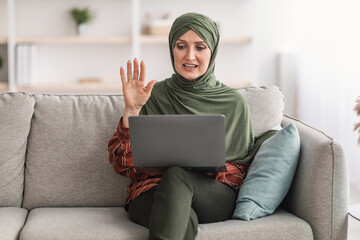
(135, 92)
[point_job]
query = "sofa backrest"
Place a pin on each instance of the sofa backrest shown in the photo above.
(67, 158)
(16, 110)
(266, 107)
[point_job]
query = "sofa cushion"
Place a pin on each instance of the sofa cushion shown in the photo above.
(16, 110)
(67, 159)
(270, 175)
(114, 223)
(266, 106)
(12, 220)
(81, 224)
(280, 225)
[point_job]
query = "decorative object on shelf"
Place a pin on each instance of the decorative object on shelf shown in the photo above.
(82, 16)
(154, 26)
(25, 64)
(89, 80)
(357, 110)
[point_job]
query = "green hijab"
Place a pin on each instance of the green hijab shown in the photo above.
(206, 95)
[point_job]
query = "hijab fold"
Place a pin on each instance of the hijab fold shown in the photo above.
(205, 95)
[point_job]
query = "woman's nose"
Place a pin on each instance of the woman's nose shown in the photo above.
(190, 55)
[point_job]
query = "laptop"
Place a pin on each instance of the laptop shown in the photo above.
(195, 142)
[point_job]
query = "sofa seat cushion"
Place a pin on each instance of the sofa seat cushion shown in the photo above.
(12, 220)
(280, 225)
(81, 223)
(114, 223)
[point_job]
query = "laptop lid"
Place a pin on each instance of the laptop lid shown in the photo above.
(191, 141)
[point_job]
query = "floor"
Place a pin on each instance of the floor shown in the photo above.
(354, 225)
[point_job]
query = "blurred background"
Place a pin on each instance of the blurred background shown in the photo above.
(309, 48)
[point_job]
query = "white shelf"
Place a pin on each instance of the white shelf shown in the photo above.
(235, 39)
(75, 40)
(69, 88)
(74, 88)
(145, 39)
(4, 87)
(3, 40)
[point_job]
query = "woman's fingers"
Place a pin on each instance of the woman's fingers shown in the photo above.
(150, 86)
(129, 71)
(136, 69)
(142, 71)
(133, 76)
(122, 75)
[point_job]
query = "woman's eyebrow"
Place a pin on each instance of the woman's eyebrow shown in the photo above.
(186, 41)
(181, 40)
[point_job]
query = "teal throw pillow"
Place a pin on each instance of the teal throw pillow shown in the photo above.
(270, 175)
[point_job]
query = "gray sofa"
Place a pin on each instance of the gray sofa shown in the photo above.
(56, 181)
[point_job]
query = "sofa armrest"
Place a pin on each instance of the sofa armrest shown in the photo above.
(319, 192)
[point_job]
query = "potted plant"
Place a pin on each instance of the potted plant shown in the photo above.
(357, 110)
(81, 16)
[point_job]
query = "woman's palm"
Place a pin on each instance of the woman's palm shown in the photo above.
(135, 92)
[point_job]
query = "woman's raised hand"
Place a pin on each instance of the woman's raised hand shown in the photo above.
(135, 92)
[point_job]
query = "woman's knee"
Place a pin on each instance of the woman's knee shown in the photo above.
(176, 179)
(140, 208)
(175, 173)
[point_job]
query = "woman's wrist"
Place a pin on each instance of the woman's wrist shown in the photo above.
(128, 112)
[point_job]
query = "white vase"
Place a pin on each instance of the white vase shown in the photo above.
(81, 29)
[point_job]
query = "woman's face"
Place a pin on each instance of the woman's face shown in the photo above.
(191, 56)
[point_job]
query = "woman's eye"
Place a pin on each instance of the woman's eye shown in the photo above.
(200, 48)
(180, 46)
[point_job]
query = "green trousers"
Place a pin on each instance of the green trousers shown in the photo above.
(184, 198)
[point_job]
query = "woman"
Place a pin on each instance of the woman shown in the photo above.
(171, 203)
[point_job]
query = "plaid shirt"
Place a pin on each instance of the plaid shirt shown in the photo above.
(121, 159)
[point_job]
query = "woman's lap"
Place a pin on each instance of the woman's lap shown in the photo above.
(211, 200)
